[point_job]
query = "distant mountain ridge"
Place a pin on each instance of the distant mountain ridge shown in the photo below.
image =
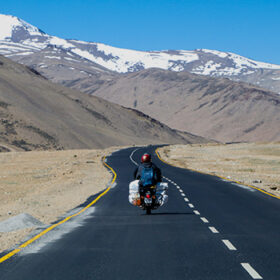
(215, 108)
(36, 114)
(29, 45)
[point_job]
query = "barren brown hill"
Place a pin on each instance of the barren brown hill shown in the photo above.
(37, 114)
(214, 108)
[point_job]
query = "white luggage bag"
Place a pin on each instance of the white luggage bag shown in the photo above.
(134, 195)
(161, 193)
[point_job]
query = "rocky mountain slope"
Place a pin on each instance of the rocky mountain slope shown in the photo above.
(215, 108)
(60, 60)
(37, 114)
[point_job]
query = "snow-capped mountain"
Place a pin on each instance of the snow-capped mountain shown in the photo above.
(212, 107)
(27, 44)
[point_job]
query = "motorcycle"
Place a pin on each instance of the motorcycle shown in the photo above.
(150, 198)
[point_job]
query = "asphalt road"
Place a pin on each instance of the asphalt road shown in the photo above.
(209, 229)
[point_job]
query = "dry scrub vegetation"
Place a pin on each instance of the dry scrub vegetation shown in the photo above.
(47, 184)
(249, 163)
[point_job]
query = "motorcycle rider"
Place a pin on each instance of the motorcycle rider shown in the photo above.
(148, 175)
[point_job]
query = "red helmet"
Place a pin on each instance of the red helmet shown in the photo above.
(146, 158)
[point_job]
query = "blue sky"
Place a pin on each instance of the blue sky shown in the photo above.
(249, 28)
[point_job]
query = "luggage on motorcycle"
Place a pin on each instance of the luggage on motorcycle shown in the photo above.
(134, 199)
(162, 199)
(147, 177)
(162, 186)
(134, 186)
(134, 196)
(161, 193)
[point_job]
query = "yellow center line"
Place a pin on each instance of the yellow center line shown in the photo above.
(15, 251)
(250, 186)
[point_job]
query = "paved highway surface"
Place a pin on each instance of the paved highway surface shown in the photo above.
(209, 229)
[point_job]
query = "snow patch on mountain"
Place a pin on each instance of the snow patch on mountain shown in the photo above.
(12, 45)
(11, 23)
(176, 68)
(21, 53)
(71, 59)
(60, 43)
(208, 68)
(124, 60)
(51, 57)
(7, 25)
(218, 53)
(241, 61)
(35, 44)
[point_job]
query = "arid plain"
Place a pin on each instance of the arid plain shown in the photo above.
(46, 184)
(249, 163)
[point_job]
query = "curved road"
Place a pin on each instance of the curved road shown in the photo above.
(209, 229)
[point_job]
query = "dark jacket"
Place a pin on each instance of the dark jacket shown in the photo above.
(157, 172)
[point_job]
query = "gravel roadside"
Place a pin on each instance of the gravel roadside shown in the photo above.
(47, 184)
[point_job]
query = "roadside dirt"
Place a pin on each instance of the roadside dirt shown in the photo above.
(47, 184)
(252, 164)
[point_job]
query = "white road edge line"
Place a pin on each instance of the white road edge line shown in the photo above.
(254, 274)
(131, 155)
(196, 212)
(191, 205)
(182, 194)
(178, 187)
(229, 245)
(213, 230)
(186, 199)
(180, 190)
(204, 220)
